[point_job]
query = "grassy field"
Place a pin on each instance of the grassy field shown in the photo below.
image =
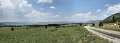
(111, 26)
(77, 34)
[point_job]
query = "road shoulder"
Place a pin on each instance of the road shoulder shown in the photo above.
(106, 34)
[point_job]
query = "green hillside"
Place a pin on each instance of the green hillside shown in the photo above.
(112, 19)
(112, 22)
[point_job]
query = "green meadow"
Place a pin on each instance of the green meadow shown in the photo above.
(74, 34)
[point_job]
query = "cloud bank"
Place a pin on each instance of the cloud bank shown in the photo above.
(114, 8)
(44, 1)
(23, 11)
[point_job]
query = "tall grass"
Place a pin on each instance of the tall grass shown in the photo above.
(111, 26)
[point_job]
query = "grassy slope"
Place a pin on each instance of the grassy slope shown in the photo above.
(111, 26)
(51, 35)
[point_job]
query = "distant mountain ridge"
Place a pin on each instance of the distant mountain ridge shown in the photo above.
(112, 19)
(34, 23)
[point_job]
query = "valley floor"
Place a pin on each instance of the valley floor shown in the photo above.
(76, 34)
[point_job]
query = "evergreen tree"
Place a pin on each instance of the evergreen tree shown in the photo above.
(100, 24)
(113, 19)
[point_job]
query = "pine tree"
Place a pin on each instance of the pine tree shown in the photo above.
(100, 24)
(113, 19)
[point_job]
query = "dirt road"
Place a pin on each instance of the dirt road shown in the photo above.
(113, 36)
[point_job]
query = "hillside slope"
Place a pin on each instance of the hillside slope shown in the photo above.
(112, 19)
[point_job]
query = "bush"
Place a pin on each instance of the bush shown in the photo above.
(100, 24)
(12, 29)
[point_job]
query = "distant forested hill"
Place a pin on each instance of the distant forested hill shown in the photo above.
(112, 19)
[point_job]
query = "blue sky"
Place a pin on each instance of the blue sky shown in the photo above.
(56, 10)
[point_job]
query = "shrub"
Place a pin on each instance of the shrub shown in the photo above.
(12, 29)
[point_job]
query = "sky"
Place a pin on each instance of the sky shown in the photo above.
(57, 10)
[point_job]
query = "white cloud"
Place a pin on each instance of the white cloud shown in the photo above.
(24, 4)
(114, 8)
(105, 15)
(41, 15)
(84, 16)
(44, 1)
(52, 7)
(12, 10)
(14, 4)
(23, 11)
(6, 4)
(34, 13)
(98, 10)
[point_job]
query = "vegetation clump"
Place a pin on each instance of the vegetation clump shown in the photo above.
(12, 29)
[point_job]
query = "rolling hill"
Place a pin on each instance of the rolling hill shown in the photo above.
(112, 19)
